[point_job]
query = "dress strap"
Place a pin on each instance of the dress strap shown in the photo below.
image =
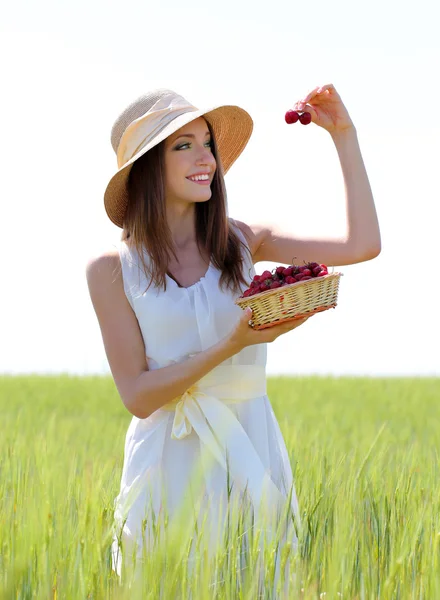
(131, 271)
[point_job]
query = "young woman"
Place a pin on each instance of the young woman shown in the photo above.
(185, 359)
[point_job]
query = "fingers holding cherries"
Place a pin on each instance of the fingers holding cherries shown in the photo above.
(322, 105)
(301, 115)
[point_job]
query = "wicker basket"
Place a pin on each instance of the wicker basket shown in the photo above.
(292, 301)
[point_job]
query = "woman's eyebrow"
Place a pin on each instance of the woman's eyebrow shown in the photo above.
(190, 135)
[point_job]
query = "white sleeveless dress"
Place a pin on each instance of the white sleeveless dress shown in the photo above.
(228, 415)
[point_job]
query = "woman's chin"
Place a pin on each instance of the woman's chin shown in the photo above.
(202, 197)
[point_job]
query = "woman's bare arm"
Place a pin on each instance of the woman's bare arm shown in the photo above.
(142, 391)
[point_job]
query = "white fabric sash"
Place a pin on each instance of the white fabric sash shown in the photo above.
(204, 408)
(142, 130)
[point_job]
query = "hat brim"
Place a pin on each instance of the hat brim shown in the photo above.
(232, 127)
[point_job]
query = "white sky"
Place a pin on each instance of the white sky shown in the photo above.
(68, 69)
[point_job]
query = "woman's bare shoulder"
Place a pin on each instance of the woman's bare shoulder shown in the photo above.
(254, 234)
(104, 261)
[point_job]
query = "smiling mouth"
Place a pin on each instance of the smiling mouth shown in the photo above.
(200, 182)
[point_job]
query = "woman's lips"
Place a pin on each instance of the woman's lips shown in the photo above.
(203, 182)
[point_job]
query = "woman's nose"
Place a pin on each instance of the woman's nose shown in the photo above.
(206, 157)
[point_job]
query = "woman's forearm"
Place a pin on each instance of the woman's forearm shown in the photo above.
(363, 226)
(155, 388)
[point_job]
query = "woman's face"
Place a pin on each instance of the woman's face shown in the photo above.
(188, 153)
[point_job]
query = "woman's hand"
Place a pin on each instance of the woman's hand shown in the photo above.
(326, 108)
(244, 335)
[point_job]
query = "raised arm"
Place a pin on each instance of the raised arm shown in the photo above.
(362, 241)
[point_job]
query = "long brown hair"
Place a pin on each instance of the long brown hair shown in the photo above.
(146, 226)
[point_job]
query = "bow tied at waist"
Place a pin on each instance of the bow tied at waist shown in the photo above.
(204, 408)
(186, 406)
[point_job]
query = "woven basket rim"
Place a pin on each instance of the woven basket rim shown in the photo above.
(287, 286)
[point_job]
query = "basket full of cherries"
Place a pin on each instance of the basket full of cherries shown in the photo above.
(289, 293)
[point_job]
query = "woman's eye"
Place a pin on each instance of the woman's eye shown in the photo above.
(188, 144)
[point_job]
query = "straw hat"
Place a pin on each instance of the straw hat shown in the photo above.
(153, 117)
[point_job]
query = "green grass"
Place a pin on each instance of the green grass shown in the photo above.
(365, 458)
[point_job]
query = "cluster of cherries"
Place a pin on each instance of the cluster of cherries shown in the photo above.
(282, 276)
(292, 116)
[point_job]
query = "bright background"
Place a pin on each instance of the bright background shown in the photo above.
(68, 69)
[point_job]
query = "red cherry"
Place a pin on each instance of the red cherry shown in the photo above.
(274, 285)
(322, 274)
(287, 271)
(317, 270)
(279, 270)
(306, 277)
(307, 272)
(265, 275)
(305, 118)
(291, 116)
(290, 279)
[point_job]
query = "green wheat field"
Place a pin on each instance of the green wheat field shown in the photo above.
(365, 459)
